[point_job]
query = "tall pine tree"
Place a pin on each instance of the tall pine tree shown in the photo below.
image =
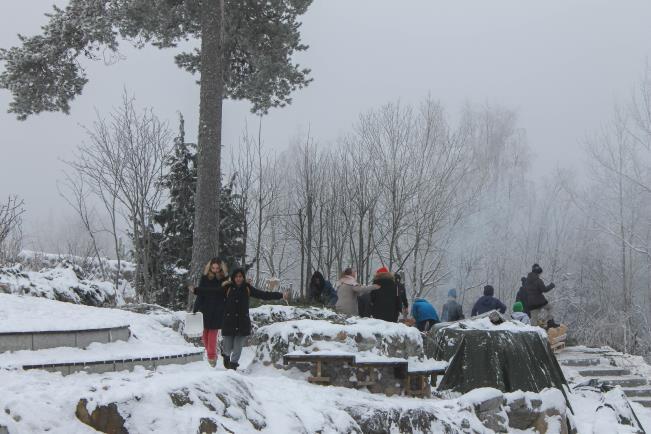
(246, 53)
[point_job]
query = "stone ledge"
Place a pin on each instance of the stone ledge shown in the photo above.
(103, 366)
(42, 340)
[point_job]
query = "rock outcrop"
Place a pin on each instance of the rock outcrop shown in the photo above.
(356, 335)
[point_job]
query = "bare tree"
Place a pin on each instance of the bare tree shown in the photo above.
(11, 213)
(124, 160)
(75, 192)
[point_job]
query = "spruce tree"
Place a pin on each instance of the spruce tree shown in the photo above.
(174, 241)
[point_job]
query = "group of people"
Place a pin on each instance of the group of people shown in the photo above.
(387, 298)
(224, 302)
(530, 307)
(384, 299)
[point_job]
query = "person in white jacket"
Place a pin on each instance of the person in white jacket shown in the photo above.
(348, 290)
(519, 315)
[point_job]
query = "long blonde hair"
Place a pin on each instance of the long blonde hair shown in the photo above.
(222, 266)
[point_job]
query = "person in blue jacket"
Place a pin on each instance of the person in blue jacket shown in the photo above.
(424, 314)
(487, 302)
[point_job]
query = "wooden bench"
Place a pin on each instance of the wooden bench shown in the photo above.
(417, 381)
(319, 360)
(372, 367)
(557, 338)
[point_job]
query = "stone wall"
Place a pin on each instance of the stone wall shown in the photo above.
(355, 336)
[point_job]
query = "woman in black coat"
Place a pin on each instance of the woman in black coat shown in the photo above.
(210, 302)
(385, 301)
(237, 323)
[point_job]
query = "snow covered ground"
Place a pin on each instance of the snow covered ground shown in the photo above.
(149, 335)
(259, 398)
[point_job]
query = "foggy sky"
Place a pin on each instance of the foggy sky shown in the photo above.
(561, 63)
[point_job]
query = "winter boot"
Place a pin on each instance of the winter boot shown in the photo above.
(212, 363)
(227, 361)
(233, 366)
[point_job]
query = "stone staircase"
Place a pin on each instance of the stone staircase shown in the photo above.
(608, 366)
(111, 349)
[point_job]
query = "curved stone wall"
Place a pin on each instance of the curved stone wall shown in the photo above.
(30, 340)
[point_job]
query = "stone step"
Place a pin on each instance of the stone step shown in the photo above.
(42, 340)
(604, 372)
(643, 402)
(579, 362)
(102, 366)
(630, 381)
(638, 392)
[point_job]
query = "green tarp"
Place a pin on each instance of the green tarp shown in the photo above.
(501, 359)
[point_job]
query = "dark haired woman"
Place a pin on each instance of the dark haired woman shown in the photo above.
(237, 323)
(210, 302)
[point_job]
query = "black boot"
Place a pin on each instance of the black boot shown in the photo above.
(233, 366)
(227, 361)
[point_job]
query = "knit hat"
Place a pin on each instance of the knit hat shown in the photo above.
(536, 269)
(489, 290)
(382, 270)
(518, 307)
(452, 293)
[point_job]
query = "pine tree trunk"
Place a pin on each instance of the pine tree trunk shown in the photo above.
(205, 240)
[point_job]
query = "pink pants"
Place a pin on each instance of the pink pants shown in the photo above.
(210, 342)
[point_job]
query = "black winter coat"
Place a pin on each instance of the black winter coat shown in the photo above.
(534, 292)
(236, 311)
(521, 296)
(364, 305)
(486, 303)
(402, 293)
(210, 302)
(385, 301)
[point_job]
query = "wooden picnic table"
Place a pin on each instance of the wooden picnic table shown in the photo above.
(371, 366)
(319, 360)
(417, 381)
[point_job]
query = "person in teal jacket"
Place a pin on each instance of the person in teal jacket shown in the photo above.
(424, 314)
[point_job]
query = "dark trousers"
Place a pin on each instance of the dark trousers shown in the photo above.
(424, 326)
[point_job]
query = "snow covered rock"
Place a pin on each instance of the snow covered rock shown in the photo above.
(355, 335)
(103, 418)
(63, 283)
(269, 314)
(196, 398)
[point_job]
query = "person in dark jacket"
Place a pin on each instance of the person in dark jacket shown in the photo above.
(385, 300)
(521, 296)
(321, 291)
(488, 302)
(237, 323)
(210, 302)
(424, 314)
(403, 303)
(536, 303)
(452, 310)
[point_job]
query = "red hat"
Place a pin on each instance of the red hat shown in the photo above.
(382, 270)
